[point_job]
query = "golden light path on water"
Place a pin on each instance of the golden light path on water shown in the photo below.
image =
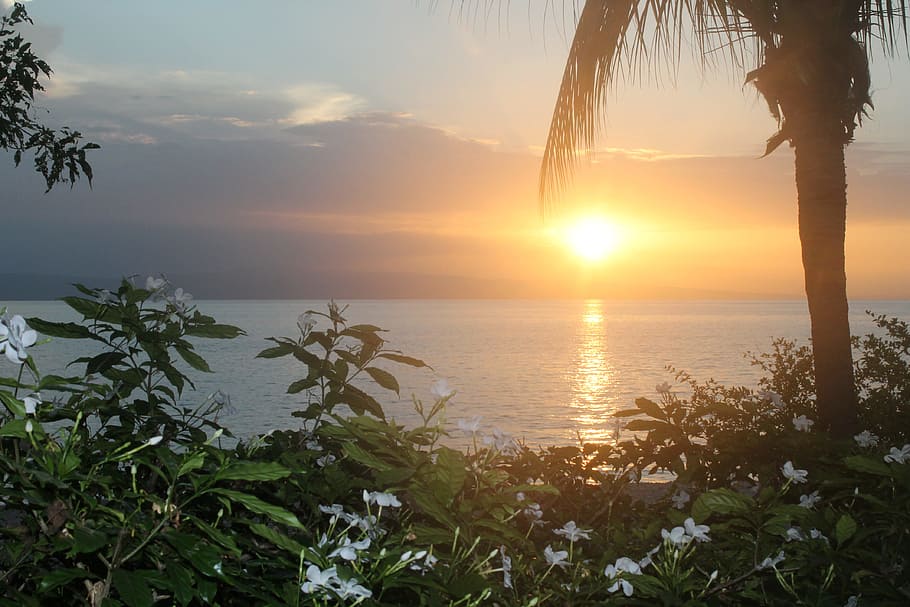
(593, 378)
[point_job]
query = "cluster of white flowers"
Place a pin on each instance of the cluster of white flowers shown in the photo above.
(572, 532)
(809, 500)
(663, 389)
(556, 558)
(802, 423)
(381, 499)
(368, 523)
(681, 536)
(680, 499)
(441, 390)
(15, 337)
(772, 397)
(470, 426)
(180, 301)
(620, 569)
(771, 562)
(318, 581)
(795, 475)
(421, 561)
(898, 456)
(866, 439)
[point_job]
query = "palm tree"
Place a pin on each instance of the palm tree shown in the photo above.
(814, 74)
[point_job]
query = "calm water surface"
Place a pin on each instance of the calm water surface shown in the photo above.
(545, 371)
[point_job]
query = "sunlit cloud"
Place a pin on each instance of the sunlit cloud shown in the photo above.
(321, 103)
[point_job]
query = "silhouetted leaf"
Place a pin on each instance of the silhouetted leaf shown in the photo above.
(383, 378)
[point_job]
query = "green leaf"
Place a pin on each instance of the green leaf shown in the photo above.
(203, 556)
(193, 360)
(88, 309)
(627, 413)
(277, 538)
(449, 474)
(300, 385)
(65, 330)
(254, 504)
(181, 582)
(194, 462)
(720, 501)
(404, 360)
(132, 588)
(87, 540)
(361, 455)
(15, 427)
(360, 402)
(215, 331)
(383, 378)
(59, 577)
(650, 408)
(103, 362)
(12, 404)
(276, 351)
(844, 529)
(253, 471)
(867, 465)
(641, 425)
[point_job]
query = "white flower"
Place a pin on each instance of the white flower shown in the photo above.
(676, 536)
(809, 500)
(350, 588)
(217, 567)
(802, 423)
(534, 513)
(334, 509)
(325, 460)
(815, 534)
(429, 561)
(28, 426)
(866, 439)
(772, 397)
(348, 549)
(680, 499)
(317, 579)
(181, 300)
(898, 456)
(470, 426)
(793, 474)
(506, 568)
(572, 533)
(772, 562)
(663, 388)
(18, 338)
(501, 441)
(306, 322)
(441, 389)
(795, 534)
(155, 284)
(623, 565)
(696, 532)
(381, 499)
(31, 403)
(852, 601)
(105, 297)
(557, 559)
(154, 440)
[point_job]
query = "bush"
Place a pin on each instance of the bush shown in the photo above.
(116, 493)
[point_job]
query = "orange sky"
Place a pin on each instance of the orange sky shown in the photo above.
(386, 146)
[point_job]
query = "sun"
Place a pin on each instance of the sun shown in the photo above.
(591, 238)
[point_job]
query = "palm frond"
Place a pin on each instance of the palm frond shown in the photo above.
(633, 40)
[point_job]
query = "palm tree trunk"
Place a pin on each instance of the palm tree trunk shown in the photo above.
(822, 191)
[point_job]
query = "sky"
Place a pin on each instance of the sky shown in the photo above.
(390, 148)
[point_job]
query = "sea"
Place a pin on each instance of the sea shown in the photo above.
(545, 372)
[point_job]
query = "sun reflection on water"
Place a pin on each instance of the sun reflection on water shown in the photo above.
(593, 379)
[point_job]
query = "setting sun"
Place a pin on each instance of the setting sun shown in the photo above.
(591, 238)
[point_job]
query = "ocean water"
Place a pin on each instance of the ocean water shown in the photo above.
(544, 371)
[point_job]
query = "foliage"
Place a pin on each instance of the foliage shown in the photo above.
(117, 492)
(58, 155)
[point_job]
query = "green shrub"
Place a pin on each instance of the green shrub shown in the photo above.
(116, 493)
